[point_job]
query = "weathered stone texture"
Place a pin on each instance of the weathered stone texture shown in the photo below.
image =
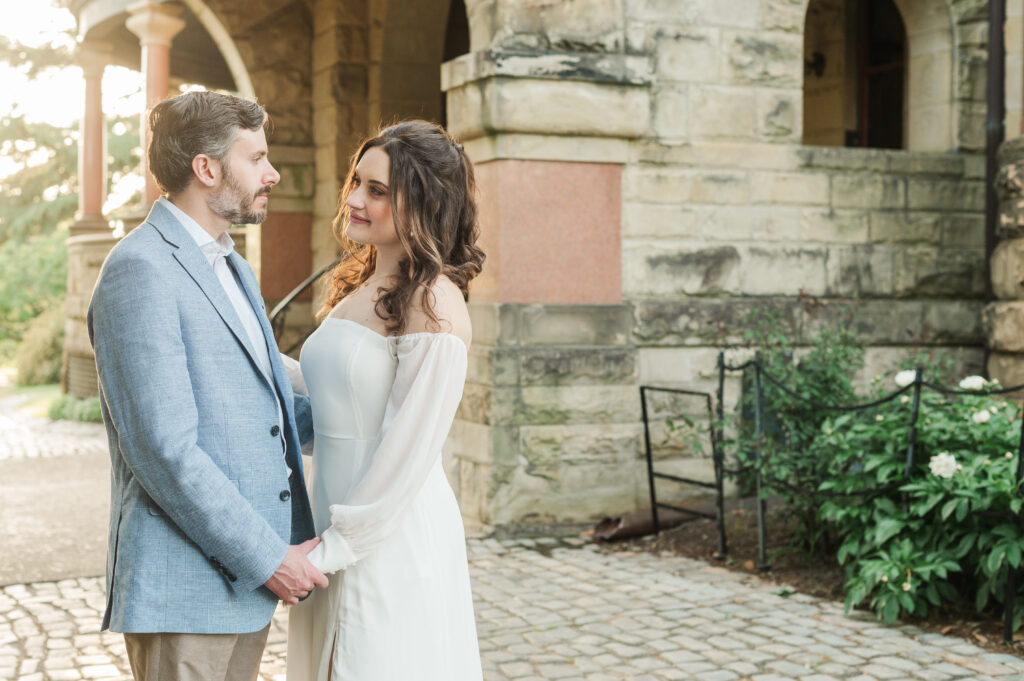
(764, 59)
(274, 38)
(1004, 326)
(1010, 189)
(720, 321)
(1006, 367)
(1007, 266)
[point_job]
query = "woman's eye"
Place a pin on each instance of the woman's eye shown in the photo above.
(376, 192)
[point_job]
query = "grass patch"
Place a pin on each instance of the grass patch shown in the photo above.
(70, 408)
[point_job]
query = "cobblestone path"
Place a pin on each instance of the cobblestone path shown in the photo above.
(548, 609)
(24, 437)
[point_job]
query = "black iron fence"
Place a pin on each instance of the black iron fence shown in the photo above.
(754, 468)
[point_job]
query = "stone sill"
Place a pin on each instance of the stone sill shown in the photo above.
(894, 161)
(621, 69)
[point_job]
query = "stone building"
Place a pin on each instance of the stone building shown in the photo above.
(650, 171)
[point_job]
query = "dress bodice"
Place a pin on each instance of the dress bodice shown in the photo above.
(349, 370)
(391, 533)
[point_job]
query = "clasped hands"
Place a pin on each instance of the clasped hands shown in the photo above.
(296, 576)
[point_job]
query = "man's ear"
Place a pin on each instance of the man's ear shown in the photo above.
(206, 170)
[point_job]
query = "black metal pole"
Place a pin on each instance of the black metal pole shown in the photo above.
(1010, 592)
(915, 410)
(650, 462)
(717, 440)
(995, 116)
(762, 538)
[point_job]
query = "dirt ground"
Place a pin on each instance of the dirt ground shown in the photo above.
(794, 570)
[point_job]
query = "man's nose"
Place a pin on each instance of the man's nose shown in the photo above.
(273, 177)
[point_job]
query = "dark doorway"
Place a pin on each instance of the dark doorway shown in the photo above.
(456, 42)
(882, 44)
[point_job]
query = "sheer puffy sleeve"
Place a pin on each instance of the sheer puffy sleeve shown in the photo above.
(426, 392)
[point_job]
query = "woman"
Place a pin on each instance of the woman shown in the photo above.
(385, 372)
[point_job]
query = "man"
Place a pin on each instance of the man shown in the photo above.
(209, 522)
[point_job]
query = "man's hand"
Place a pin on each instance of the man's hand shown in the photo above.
(296, 576)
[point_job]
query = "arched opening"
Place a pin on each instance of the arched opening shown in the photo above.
(855, 75)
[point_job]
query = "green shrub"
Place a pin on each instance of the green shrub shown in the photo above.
(38, 358)
(942, 534)
(822, 372)
(34, 277)
(935, 528)
(70, 408)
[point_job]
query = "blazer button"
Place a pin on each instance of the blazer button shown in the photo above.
(275, 431)
(285, 495)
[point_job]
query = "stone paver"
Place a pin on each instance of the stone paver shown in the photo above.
(23, 437)
(567, 611)
(546, 608)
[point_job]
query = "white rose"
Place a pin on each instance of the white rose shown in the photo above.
(981, 416)
(904, 399)
(906, 377)
(942, 465)
(973, 383)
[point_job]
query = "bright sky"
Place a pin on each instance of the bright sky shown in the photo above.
(58, 98)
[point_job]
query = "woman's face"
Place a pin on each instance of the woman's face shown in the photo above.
(369, 202)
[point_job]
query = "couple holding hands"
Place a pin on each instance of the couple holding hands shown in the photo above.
(210, 520)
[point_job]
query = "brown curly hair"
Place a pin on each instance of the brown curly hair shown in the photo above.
(433, 201)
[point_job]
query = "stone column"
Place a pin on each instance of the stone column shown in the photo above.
(92, 171)
(1004, 317)
(155, 24)
(548, 430)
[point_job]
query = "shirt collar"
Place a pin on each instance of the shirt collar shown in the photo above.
(211, 248)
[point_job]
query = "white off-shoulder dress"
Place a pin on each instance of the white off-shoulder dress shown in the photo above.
(399, 605)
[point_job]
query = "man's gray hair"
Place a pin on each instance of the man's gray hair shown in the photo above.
(194, 123)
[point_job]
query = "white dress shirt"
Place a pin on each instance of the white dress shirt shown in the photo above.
(217, 252)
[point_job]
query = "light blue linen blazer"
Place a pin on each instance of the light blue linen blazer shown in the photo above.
(202, 509)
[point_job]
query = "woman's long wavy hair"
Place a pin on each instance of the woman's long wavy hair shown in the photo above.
(433, 204)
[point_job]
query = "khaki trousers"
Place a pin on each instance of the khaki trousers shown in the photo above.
(196, 657)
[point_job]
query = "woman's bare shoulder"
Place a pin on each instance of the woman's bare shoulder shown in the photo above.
(449, 308)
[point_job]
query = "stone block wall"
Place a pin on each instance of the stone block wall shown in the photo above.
(548, 429)
(724, 210)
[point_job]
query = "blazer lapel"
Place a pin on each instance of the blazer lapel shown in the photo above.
(253, 295)
(188, 254)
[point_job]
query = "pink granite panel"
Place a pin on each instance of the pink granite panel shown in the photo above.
(551, 232)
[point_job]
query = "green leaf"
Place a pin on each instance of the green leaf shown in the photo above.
(948, 508)
(887, 529)
(891, 610)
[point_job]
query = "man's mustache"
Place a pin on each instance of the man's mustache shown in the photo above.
(265, 191)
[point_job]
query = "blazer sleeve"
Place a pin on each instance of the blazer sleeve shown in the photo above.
(144, 377)
(427, 389)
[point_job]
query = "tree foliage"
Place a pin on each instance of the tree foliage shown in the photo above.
(38, 201)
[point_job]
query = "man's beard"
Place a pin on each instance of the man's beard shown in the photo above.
(234, 204)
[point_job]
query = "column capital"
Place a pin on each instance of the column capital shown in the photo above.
(155, 23)
(93, 56)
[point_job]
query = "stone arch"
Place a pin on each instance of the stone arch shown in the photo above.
(226, 44)
(930, 58)
(930, 106)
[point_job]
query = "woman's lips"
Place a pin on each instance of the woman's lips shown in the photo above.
(356, 218)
